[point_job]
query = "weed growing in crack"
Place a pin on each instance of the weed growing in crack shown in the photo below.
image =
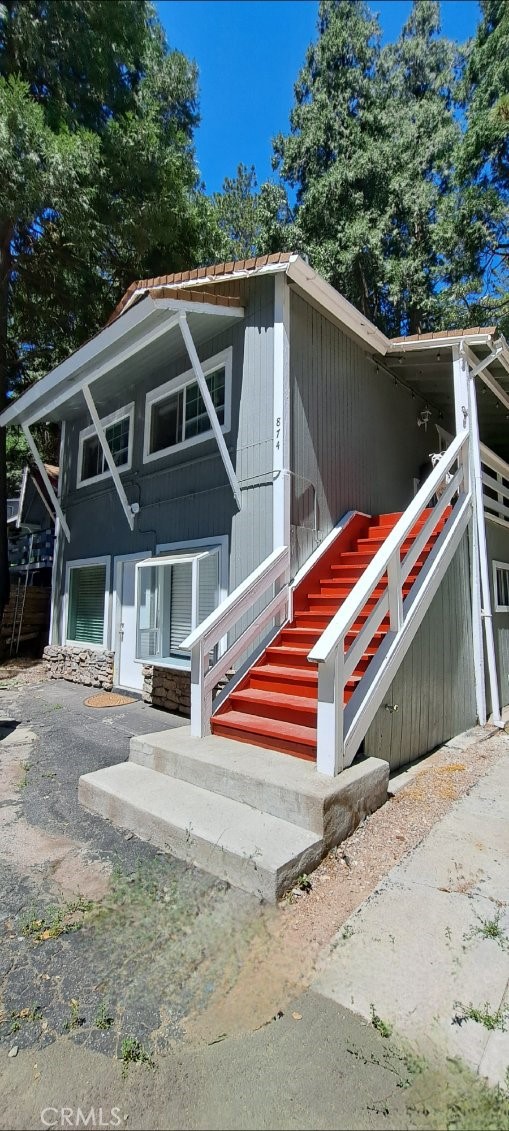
(56, 921)
(381, 1026)
(481, 1014)
(133, 1052)
(74, 1021)
(103, 1018)
(489, 929)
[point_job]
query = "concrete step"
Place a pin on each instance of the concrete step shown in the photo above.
(288, 788)
(252, 850)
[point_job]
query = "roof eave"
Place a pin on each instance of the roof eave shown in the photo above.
(439, 343)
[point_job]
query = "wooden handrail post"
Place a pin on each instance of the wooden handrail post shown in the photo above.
(201, 698)
(395, 592)
(331, 695)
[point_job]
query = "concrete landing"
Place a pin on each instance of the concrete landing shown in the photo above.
(254, 817)
(433, 940)
(251, 850)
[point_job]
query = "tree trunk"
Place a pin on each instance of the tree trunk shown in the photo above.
(5, 275)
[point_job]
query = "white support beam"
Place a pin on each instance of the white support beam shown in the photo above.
(482, 549)
(462, 412)
(46, 480)
(489, 380)
(101, 436)
(209, 405)
(281, 490)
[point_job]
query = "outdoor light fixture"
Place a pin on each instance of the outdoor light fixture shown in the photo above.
(424, 418)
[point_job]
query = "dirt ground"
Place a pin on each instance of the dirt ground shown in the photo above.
(112, 952)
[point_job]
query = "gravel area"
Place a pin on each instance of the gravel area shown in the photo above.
(352, 871)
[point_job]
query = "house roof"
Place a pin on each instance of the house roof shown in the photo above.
(212, 274)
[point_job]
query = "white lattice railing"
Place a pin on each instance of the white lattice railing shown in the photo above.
(495, 481)
(206, 669)
(340, 729)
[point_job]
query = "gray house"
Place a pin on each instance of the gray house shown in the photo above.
(275, 519)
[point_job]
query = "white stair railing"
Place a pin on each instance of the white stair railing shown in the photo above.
(274, 571)
(340, 730)
(495, 480)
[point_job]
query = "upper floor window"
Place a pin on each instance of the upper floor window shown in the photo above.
(118, 429)
(501, 586)
(175, 413)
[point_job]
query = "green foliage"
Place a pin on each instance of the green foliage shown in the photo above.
(370, 155)
(246, 222)
(98, 181)
(133, 1052)
(480, 232)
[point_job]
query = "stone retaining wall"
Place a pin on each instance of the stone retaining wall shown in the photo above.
(90, 666)
(170, 690)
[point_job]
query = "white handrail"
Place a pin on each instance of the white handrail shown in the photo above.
(207, 635)
(356, 600)
(334, 666)
(498, 508)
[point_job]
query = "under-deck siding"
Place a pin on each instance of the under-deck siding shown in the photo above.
(354, 432)
(498, 551)
(434, 689)
(187, 495)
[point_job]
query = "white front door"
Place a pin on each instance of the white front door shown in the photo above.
(128, 673)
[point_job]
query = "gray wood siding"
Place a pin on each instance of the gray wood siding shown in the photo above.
(498, 551)
(354, 432)
(434, 688)
(187, 495)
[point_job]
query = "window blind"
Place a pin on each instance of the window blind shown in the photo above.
(86, 604)
(181, 604)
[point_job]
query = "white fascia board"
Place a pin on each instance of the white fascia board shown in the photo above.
(440, 343)
(180, 306)
(69, 370)
(333, 302)
(77, 371)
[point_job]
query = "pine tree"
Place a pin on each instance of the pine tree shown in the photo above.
(247, 221)
(480, 226)
(332, 156)
(417, 75)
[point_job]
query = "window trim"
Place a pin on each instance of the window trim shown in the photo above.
(162, 392)
(86, 433)
(192, 546)
(496, 566)
(80, 563)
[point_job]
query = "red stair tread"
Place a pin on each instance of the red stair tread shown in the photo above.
(281, 686)
(273, 699)
(290, 738)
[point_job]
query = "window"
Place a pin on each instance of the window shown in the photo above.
(118, 429)
(87, 591)
(175, 413)
(174, 594)
(501, 586)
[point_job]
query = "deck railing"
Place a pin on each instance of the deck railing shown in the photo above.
(206, 669)
(340, 730)
(495, 480)
(31, 551)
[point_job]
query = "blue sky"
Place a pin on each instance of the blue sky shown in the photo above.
(248, 54)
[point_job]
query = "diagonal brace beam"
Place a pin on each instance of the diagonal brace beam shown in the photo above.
(101, 435)
(209, 405)
(46, 480)
(485, 375)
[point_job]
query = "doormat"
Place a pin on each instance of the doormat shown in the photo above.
(108, 699)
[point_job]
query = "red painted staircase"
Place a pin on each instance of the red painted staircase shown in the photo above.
(275, 704)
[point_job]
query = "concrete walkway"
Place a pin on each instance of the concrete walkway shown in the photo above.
(431, 945)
